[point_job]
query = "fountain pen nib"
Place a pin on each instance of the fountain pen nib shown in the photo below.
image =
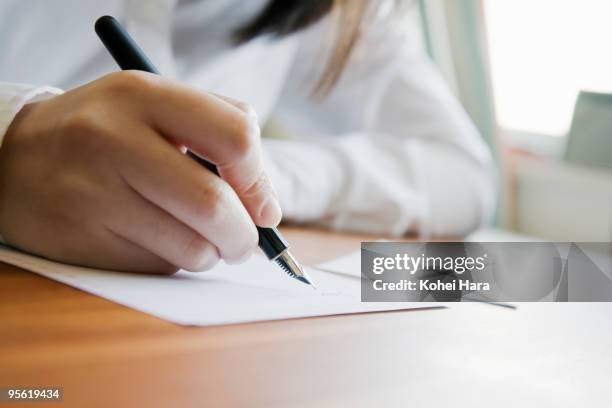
(292, 267)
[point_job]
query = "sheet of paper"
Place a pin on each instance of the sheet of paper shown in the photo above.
(254, 291)
(349, 265)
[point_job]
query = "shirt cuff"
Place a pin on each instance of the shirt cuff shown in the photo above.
(13, 97)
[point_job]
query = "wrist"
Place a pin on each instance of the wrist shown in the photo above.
(14, 97)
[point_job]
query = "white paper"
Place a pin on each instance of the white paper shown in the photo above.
(254, 291)
(349, 265)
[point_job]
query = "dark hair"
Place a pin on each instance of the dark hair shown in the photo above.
(283, 17)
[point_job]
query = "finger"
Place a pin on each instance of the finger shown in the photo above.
(271, 214)
(227, 134)
(191, 194)
(123, 255)
(103, 249)
(148, 226)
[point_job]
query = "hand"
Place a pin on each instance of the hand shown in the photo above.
(97, 177)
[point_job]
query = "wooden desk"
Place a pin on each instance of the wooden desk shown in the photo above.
(106, 355)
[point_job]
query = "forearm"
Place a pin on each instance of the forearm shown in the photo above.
(383, 185)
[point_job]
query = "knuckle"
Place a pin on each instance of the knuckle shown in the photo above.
(245, 134)
(84, 131)
(81, 121)
(132, 82)
(260, 186)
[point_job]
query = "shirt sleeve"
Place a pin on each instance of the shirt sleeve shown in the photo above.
(390, 151)
(13, 97)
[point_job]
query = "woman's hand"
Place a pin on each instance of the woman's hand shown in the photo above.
(96, 177)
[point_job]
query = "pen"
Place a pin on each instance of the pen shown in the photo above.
(128, 56)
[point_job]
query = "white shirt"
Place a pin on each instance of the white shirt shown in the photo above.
(389, 151)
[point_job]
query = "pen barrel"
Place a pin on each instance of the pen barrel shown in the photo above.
(271, 242)
(204, 163)
(129, 55)
(122, 47)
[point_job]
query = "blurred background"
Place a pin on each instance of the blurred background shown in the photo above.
(536, 78)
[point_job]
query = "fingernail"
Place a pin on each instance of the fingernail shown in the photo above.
(270, 214)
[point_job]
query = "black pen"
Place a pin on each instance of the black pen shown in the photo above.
(128, 56)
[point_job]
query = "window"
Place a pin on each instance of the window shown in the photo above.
(542, 52)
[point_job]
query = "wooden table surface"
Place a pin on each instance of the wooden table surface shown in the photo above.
(104, 354)
(107, 355)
